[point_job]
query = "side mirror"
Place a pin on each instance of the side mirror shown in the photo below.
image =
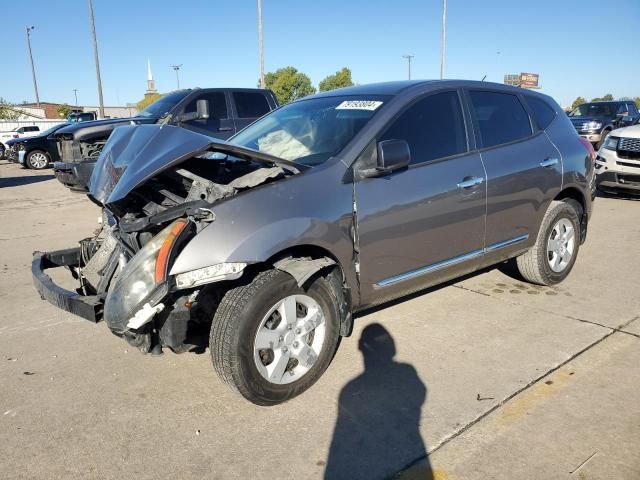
(202, 107)
(393, 155)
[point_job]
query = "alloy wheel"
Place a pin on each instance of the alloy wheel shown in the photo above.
(561, 245)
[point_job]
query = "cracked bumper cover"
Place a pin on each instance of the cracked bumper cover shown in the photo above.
(89, 307)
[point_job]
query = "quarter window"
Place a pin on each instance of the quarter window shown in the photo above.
(433, 127)
(250, 104)
(543, 114)
(501, 117)
(217, 105)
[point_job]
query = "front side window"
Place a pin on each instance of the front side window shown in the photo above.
(217, 105)
(542, 113)
(310, 131)
(501, 118)
(250, 104)
(622, 108)
(433, 127)
(593, 110)
(163, 105)
(633, 110)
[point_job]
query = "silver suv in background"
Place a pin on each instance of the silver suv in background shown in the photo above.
(618, 161)
(265, 246)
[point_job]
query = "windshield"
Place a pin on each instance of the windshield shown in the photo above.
(309, 132)
(49, 131)
(593, 110)
(162, 106)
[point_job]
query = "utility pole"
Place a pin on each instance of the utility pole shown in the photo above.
(95, 55)
(408, 57)
(444, 37)
(33, 69)
(260, 49)
(176, 68)
(75, 92)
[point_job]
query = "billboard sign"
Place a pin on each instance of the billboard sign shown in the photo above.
(529, 80)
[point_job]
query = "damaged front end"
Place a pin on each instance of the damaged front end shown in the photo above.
(158, 186)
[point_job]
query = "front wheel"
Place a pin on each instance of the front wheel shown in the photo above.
(553, 255)
(37, 160)
(271, 340)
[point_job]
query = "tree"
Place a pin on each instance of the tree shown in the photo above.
(8, 111)
(577, 102)
(637, 100)
(64, 110)
(147, 100)
(342, 78)
(289, 84)
(607, 98)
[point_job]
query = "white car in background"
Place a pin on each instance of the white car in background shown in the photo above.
(18, 132)
(618, 161)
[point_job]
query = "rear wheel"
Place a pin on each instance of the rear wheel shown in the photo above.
(271, 340)
(552, 257)
(37, 159)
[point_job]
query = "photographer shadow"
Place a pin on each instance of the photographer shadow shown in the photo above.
(377, 433)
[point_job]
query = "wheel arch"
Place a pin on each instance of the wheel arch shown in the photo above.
(573, 193)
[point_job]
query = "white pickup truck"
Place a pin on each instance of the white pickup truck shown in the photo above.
(18, 132)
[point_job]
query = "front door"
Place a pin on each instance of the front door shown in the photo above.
(417, 226)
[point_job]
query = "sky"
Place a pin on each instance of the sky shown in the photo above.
(587, 48)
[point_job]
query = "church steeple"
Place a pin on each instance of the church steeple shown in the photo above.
(151, 84)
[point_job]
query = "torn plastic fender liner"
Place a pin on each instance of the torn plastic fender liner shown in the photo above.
(302, 268)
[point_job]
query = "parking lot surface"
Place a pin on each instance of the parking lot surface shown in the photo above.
(493, 377)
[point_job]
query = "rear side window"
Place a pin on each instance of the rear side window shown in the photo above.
(433, 127)
(250, 104)
(217, 105)
(501, 117)
(542, 113)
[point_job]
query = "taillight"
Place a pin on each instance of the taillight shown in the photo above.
(165, 250)
(589, 147)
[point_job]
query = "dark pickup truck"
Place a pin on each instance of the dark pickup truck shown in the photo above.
(594, 121)
(215, 112)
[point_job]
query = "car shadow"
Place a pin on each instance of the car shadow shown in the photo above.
(19, 181)
(620, 195)
(377, 432)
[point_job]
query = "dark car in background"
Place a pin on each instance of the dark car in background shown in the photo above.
(264, 246)
(35, 152)
(594, 121)
(228, 110)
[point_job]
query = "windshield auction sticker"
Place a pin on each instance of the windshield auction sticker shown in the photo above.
(359, 105)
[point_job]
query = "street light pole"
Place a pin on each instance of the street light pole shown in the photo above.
(260, 49)
(97, 60)
(408, 57)
(33, 69)
(75, 92)
(176, 68)
(444, 37)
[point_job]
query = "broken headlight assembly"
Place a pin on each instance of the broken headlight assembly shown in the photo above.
(138, 289)
(213, 273)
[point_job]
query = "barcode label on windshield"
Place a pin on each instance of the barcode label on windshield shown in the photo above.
(359, 105)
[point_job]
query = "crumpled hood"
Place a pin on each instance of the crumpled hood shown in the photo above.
(134, 153)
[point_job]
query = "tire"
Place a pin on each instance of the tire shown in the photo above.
(239, 322)
(603, 136)
(37, 160)
(542, 266)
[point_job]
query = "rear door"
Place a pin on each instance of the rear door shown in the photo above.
(249, 106)
(220, 123)
(524, 170)
(420, 225)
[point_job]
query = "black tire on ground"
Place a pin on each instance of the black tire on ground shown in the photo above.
(30, 160)
(234, 329)
(534, 265)
(603, 136)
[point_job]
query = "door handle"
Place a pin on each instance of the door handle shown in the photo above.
(225, 129)
(549, 162)
(469, 182)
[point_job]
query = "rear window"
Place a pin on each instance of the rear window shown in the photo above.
(250, 104)
(501, 117)
(542, 113)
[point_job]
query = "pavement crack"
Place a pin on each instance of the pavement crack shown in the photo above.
(510, 397)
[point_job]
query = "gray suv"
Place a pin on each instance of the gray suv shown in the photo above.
(263, 247)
